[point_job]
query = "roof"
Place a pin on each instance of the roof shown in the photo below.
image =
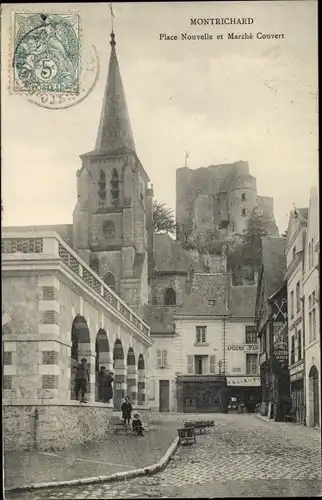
(243, 300)
(160, 318)
(274, 263)
(209, 295)
(65, 231)
(114, 129)
(170, 256)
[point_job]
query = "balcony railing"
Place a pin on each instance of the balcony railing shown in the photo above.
(53, 244)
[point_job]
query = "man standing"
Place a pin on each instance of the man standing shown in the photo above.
(82, 378)
(102, 384)
(108, 387)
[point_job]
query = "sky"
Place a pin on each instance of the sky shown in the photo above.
(221, 100)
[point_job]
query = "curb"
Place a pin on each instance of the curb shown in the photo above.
(118, 476)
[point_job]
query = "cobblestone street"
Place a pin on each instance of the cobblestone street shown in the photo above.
(241, 456)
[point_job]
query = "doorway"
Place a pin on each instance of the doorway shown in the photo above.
(164, 396)
(314, 389)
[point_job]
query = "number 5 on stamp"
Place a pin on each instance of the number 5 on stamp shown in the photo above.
(46, 53)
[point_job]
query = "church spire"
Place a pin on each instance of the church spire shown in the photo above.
(114, 129)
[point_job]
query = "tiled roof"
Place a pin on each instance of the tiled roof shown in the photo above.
(209, 294)
(170, 256)
(243, 300)
(274, 263)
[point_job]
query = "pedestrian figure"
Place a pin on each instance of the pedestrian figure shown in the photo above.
(126, 410)
(108, 393)
(137, 425)
(102, 384)
(82, 378)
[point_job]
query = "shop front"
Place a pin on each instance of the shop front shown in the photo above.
(246, 389)
(202, 394)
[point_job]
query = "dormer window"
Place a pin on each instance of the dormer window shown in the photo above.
(243, 196)
(243, 212)
(211, 302)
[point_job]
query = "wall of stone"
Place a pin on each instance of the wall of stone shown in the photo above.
(44, 427)
(20, 296)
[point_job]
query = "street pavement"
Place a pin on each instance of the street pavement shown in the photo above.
(118, 453)
(242, 455)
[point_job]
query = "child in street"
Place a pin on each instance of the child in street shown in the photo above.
(137, 424)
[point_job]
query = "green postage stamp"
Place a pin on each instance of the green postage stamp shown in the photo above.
(46, 55)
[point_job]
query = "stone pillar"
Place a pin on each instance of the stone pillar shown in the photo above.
(132, 383)
(141, 387)
(120, 385)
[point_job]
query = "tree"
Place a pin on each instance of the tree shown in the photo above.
(163, 219)
(255, 229)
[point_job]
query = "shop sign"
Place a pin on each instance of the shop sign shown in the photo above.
(243, 381)
(280, 341)
(200, 378)
(244, 347)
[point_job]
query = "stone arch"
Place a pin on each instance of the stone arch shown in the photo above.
(80, 348)
(132, 376)
(120, 374)
(102, 358)
(109, 280)
(169, 297)
(314, 410)
(141, 380)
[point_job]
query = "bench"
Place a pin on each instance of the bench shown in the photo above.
(187, 435)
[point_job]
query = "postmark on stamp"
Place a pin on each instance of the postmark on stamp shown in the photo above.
(49, 63)
(46, 53)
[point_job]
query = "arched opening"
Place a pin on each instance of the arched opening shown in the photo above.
(141, 381)
(102, 359)
(314, 410)
(170, 297)
(115, 187)
(80, 348)
(109, 280)
(132, 376)
(102, 186)
(120, 374)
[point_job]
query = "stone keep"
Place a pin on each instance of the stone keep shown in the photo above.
(113, 216)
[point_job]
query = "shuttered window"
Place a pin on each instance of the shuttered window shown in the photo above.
(212, 363)
(190, 364)
(162, 358)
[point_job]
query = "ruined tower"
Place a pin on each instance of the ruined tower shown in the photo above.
(113, 216)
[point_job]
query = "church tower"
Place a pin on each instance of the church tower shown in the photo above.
(112, 221)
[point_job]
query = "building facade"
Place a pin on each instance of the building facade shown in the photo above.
(271, 322)
(311, 305)
(295, 253)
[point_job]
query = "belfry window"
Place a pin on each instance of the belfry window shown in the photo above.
(115, 185)
(102, 186)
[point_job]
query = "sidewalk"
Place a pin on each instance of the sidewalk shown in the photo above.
(118, 453)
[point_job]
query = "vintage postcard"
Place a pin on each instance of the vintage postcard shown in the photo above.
(160, 250)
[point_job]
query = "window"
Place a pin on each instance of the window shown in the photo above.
(313, 324)
(212, 363)
(310, 255)
(243, 212)
(312, 317)
(251, 364)
(108, 229)
(211, 302)
(201, 365)
(115, 185)
(102, 186)
(94, 264)
(292, 304)
(162, 358)
(201, 334)
(298, 302)
(170, 297)
(243, 196)
(299, 345)
(190, 363)
(251, 334)
(292, 350)
(312, 250)
(310, 327)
